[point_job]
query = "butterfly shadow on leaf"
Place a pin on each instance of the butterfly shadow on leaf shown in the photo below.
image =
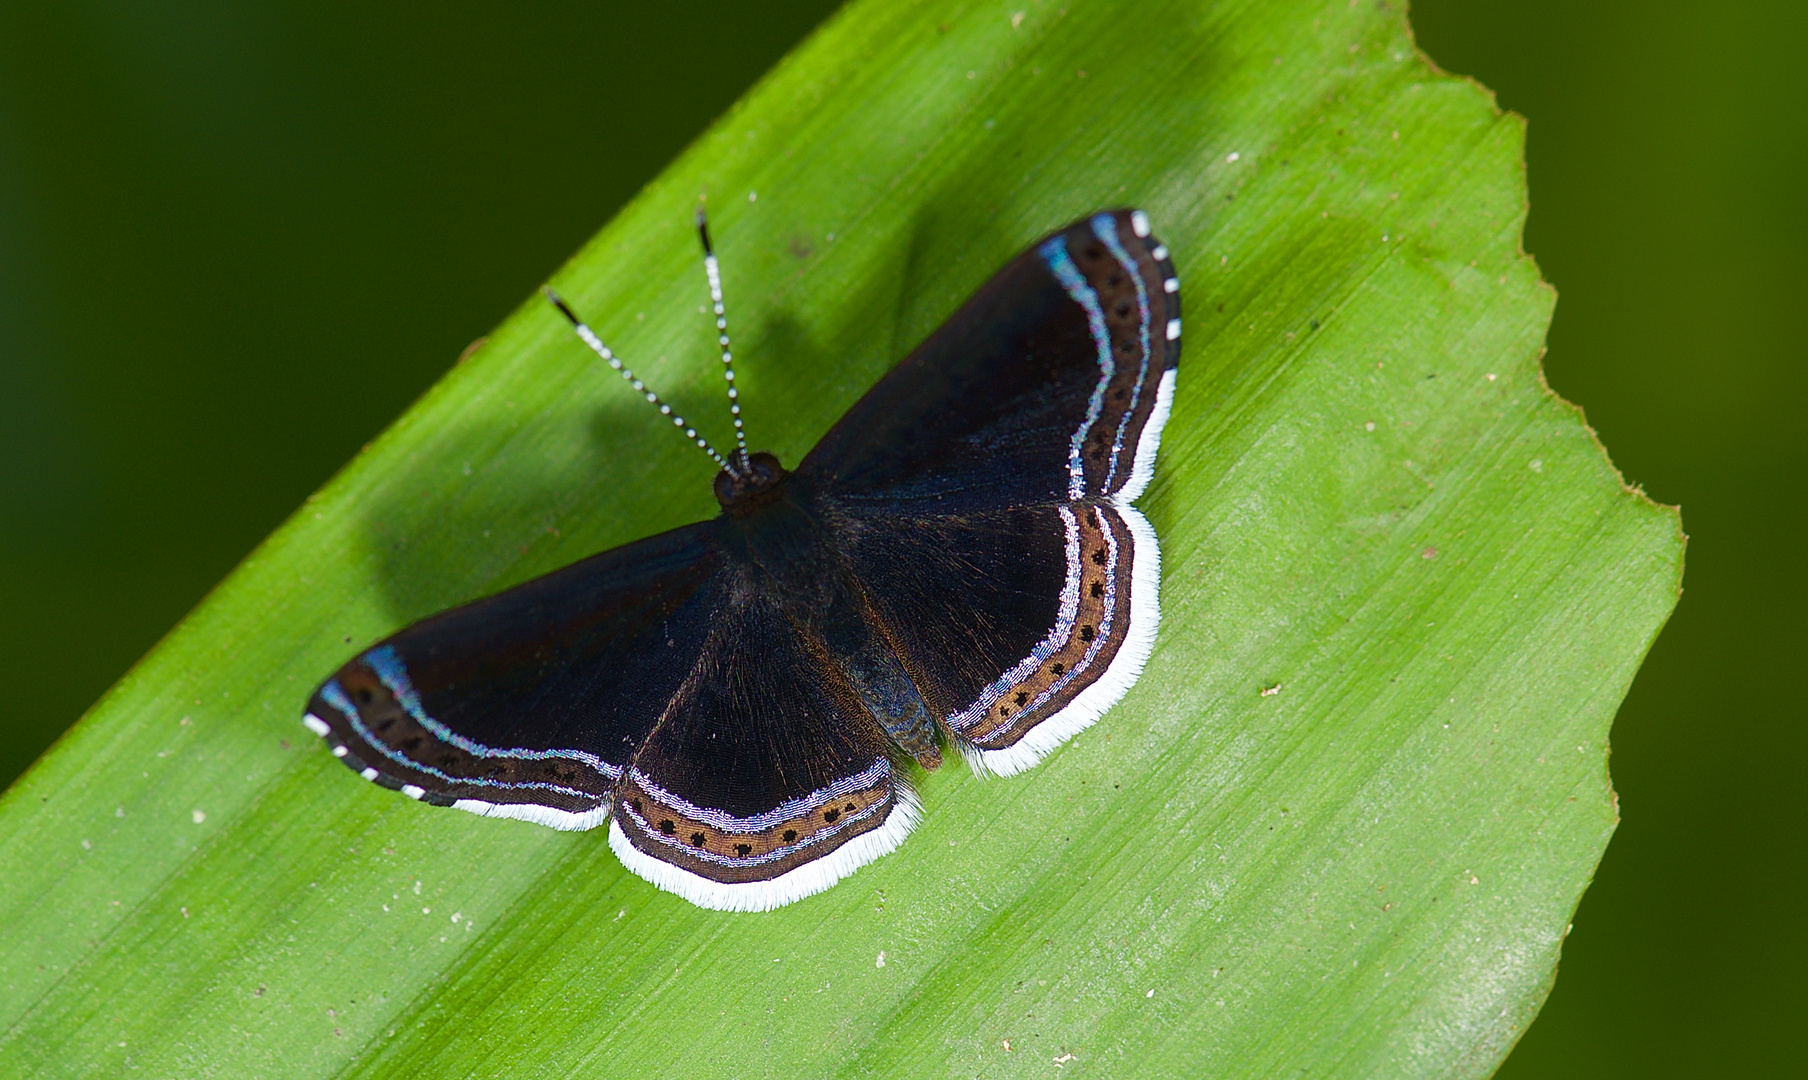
(488, 506)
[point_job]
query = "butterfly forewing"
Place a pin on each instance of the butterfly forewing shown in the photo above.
(1040, 389)
(531, 702)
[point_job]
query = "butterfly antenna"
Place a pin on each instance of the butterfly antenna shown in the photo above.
(596, 345)
(715, 297)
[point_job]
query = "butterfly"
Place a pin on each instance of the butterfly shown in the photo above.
(743, 701)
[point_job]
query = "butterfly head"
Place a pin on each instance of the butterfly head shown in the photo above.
(741, 491)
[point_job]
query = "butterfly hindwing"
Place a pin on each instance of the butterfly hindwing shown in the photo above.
(1049, 385)
(766, 781)
(1020, 626)
(531, 702)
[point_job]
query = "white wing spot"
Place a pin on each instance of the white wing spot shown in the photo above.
(1139, 222)
(369, 774)
(413, 791)
(1171, 285)
(1173, 329)
(340, 751)
(316, 725)
(1160, 252)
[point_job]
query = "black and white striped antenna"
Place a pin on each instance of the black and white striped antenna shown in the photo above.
(714, 273)
(737, 466)
(596, 345)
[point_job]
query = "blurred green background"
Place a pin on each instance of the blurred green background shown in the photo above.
(237, 239)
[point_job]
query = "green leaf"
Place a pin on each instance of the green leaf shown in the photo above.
(1367, 498)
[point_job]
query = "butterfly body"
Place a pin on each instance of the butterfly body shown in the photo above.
(783, 542)
(956, 563)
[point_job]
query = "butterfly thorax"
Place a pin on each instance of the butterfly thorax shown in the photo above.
(775, 534)
(742, 491)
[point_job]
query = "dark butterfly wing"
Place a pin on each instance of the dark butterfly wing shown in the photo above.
(985, 487)
(532, 702)
(1019, 626)
(1050, 385)
(766, 782)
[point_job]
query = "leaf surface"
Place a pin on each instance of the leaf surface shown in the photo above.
(1338, 828)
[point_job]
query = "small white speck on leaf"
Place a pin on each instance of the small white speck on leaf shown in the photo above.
(880, 962)
(1007, 1046)
(184, 911)
(1232, 156)
(1267, 691)
(1536, 464)
(417, 888)
(199, 816)
(457, 917)
(1016, 19)
(753, 196)
(1492, 376)
(119, 812)
(426, 911)
(1370, 426)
